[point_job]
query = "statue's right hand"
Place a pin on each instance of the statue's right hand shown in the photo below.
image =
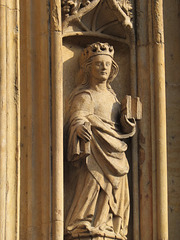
(83, 133)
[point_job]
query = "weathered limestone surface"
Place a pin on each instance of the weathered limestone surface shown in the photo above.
(31, 112)
(35, 186)
(100, 205)
(172, 47)
(9, 119)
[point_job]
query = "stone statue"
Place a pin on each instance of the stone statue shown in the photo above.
(96, 125)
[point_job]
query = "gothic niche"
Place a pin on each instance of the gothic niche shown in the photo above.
(97, 119)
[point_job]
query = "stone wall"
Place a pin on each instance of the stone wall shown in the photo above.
(31, 119)
(172, 51)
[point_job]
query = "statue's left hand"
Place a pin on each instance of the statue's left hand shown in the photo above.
(84, 133)
(130, 121)
(127, 124)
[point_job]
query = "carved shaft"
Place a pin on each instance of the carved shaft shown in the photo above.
(57, 119)
(160, 99)
(2, 118)
(135, 156)
(9, 119)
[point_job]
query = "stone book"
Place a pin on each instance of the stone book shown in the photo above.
(131, 107)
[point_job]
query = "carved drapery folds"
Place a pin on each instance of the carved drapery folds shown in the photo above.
(105, 20)
(96, 125)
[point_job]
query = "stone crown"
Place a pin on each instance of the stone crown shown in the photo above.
(96, 49)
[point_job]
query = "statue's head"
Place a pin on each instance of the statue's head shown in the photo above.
(94, 53)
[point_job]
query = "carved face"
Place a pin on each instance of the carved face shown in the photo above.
(101, 67)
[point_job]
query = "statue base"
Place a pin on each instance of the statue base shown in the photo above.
(91, 238)
(87, 236)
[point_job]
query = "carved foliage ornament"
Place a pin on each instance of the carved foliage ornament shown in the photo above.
(126, 6)
(71, 7)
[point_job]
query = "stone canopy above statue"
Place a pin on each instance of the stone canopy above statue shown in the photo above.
(110, 19)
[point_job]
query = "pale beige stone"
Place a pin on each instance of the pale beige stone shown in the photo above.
(35, 129)
(160, 111)
(9, 119)
(31, 195)
(57, 120)
(102, 207)
(3, 121)
(172, 60)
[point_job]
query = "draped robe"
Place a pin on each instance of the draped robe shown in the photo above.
(101, 202)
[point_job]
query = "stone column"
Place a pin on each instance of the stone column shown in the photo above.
(135, 174)
(152, 138)
(160, 117)
(9, 119)
(57, 120)
(3, 117)
(35, 207)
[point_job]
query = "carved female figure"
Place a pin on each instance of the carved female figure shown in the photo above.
(96, 128)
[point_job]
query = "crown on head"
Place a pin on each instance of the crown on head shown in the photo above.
(96, 49)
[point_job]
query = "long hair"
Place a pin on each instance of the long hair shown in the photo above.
(83, 80)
